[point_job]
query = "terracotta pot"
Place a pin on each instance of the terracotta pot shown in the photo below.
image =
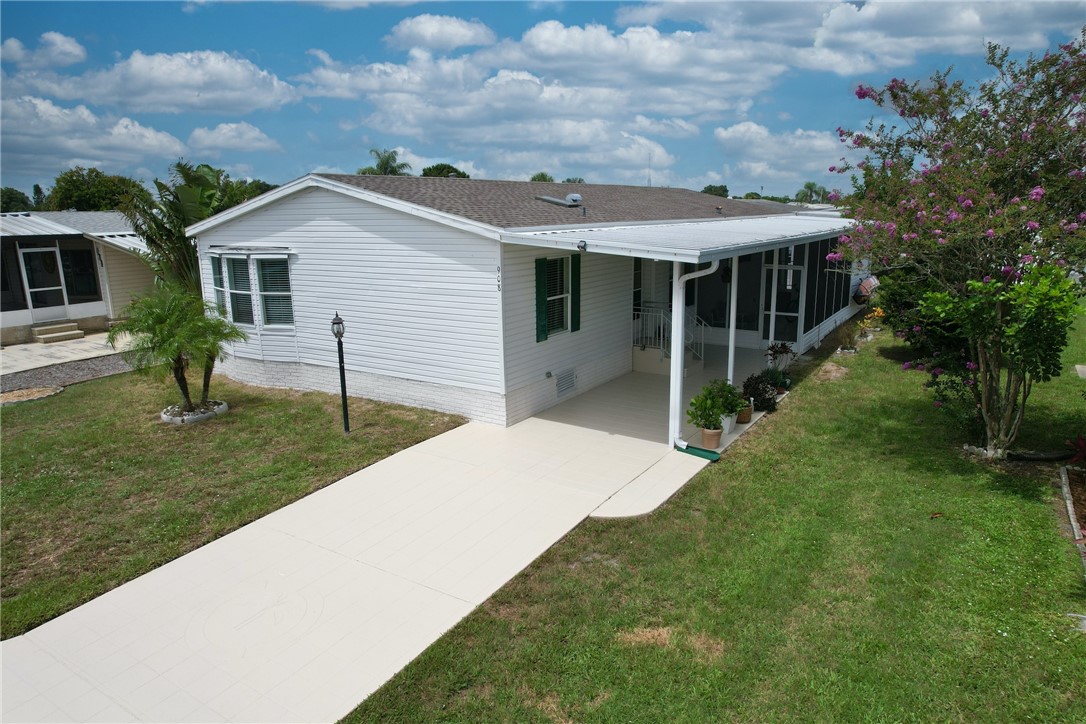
(710, 439)
(782, 390)
(744, 415)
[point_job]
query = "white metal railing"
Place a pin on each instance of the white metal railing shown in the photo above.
(652, 330)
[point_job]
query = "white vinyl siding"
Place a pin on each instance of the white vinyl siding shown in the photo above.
(420, 299)
(127, 276)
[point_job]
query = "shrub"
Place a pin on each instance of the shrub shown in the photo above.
(764, 393)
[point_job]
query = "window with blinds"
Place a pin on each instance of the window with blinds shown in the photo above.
(274, 281)
(557, 295)
(243, 285)
(219, 286)
(241, 291)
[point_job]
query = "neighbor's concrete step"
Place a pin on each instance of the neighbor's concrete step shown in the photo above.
(59, 336)
(54, 328)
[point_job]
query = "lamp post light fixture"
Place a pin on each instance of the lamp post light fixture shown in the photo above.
(338, 330)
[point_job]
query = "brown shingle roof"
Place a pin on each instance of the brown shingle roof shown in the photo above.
(513, 204)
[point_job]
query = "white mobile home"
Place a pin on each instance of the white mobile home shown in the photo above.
(498, 299)
(81, 267)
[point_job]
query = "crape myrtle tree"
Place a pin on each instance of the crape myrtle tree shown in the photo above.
(973, 200)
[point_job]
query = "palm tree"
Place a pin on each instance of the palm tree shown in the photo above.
(193, 194)
(168, 327)
(386, 163)
(812, 193)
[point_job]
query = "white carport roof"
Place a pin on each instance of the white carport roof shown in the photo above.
(33, 223)
(688, 241)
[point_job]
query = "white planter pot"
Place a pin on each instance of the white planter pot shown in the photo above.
(727, 422)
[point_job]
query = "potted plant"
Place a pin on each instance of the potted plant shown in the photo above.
(761, 391)
(780, 354)
(705, 412)
(746, 413)
(732, 400)
(776, 377)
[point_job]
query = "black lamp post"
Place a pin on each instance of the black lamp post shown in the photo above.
(338, 328)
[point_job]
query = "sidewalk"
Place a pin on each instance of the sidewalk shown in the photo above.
(302, 614)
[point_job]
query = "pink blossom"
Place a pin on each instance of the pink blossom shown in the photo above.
(1027, 259)
(1036, 194)
(832, 169)
(990, 233)
(983, 112)
(953, 215)
(1072, 227)
(986, 279)
(1032, 225)
(834, 196)
(865, 91)
(1016, 200)
(937, 404)
(907, 366)
(1007, 270)
(971, 365)
(967, 204)
(941, 241)
(938, 371)
(1077, 174)
(917, 328)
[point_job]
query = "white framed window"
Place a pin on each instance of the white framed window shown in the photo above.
(273, 279)
(241, 290)
(557, 295)
(218, 284)
(253, 290)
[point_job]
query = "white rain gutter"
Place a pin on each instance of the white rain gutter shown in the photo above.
(678, 346)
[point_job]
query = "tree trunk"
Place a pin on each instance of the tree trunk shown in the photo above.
(182, 383)
(209, 367)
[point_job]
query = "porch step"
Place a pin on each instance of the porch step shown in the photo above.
(56, 332)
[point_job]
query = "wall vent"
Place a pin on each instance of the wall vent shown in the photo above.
(566, 382)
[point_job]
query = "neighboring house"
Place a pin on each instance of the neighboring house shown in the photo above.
(77, 266)
(498, 299)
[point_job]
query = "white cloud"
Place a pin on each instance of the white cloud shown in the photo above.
(234, 137)
(42, 139)
(755, 156)
(54, 51)
(439, 32)
(201, 80)
(668, 127)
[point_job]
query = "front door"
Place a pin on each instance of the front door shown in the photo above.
(44, 284)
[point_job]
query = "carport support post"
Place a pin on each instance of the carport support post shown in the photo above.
(731, 319)
(678, 345)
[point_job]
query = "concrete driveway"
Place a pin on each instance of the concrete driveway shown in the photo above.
(302, 614)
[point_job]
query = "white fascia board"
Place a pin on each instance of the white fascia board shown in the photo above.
(116, 244)
(601, 247)
(313, 181)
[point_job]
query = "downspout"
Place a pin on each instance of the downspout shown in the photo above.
(678, 345)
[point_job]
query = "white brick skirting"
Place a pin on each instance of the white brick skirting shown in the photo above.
(473, 404)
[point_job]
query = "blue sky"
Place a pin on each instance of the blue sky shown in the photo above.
(685, 94)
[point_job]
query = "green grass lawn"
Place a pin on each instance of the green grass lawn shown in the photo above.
(96, 491)
(844, 562)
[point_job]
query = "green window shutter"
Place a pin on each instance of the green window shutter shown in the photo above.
(574, 292)
(540, 300)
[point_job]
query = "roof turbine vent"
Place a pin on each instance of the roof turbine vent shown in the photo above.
(573, 199)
